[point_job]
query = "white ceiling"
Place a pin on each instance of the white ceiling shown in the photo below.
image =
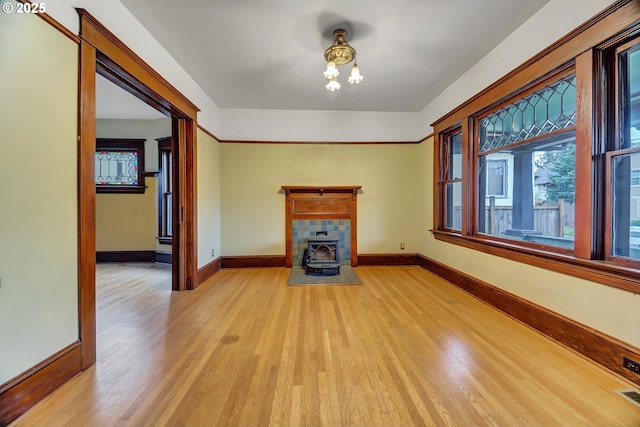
(112, 102)
(260, 54)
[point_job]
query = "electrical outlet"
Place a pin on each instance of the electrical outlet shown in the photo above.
(631, 365)
(213, 252)
(402, 246)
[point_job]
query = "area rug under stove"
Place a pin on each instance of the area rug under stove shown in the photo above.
(347, 276)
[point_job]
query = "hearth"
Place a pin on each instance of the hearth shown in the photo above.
(323, 257)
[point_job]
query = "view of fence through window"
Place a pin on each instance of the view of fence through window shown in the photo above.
(526, 167)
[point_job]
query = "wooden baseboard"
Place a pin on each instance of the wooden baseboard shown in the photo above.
(605, 350)
(387, 259)
(134, 256)
(208, 270)
(163, 257)
(125, 256)
(253, 261)
(279, 260)
(18, 395)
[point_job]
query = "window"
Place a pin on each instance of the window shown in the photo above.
(119, 165)
(624, 155)
(450, 183)
(550, 158)
(165, 191)
(536, 133)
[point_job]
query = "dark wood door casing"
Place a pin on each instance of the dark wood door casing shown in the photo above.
(102, 52)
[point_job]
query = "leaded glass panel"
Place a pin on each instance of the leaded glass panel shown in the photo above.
(116, 167)
(544, 111)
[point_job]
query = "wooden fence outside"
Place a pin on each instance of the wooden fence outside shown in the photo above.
(548, 220)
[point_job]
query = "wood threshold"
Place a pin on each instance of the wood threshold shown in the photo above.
(603, 349)
(18, 395)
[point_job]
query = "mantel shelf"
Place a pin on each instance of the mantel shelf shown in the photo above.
(321, 189)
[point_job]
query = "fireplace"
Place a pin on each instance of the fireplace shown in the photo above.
(323, 256)
(313, 209)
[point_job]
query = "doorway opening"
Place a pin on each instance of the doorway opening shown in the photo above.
(103, 53)
(134, 171)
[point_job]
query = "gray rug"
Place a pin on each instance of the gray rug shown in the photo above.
(347, 276)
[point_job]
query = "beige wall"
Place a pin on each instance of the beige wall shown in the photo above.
(612, 311)
(208, 184)
(38, 208)
(253, 203)
(128, 222)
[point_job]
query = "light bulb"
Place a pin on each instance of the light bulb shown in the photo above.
(331, 72)
(355, 76)
(333, 85)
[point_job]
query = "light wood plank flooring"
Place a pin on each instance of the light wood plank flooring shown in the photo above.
(405, 348)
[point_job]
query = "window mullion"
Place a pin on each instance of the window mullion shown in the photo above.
(468, 179)
(584, 241)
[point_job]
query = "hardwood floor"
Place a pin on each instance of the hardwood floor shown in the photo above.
(405, 348)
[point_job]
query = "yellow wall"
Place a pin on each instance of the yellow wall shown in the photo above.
(612, 311)
(38, 208)
(208, 183)
(128, 222)
(253, 203)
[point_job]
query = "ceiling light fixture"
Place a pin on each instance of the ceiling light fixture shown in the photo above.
(340, 53)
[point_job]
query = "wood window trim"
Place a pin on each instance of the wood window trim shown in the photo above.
(129, 145)
(583, 48)
(164, 145)
(443, 178)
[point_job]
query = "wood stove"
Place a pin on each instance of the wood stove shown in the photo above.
(322, 256)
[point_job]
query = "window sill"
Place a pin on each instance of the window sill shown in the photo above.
(165, 240)
(597, 271)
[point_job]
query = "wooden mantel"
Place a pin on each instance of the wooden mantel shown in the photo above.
(321, 202)
(353, 189)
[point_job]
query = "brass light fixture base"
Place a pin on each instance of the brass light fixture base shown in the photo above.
(340, 52)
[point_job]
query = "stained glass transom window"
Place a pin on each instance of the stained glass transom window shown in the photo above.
(116, 167)
(544, 111)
